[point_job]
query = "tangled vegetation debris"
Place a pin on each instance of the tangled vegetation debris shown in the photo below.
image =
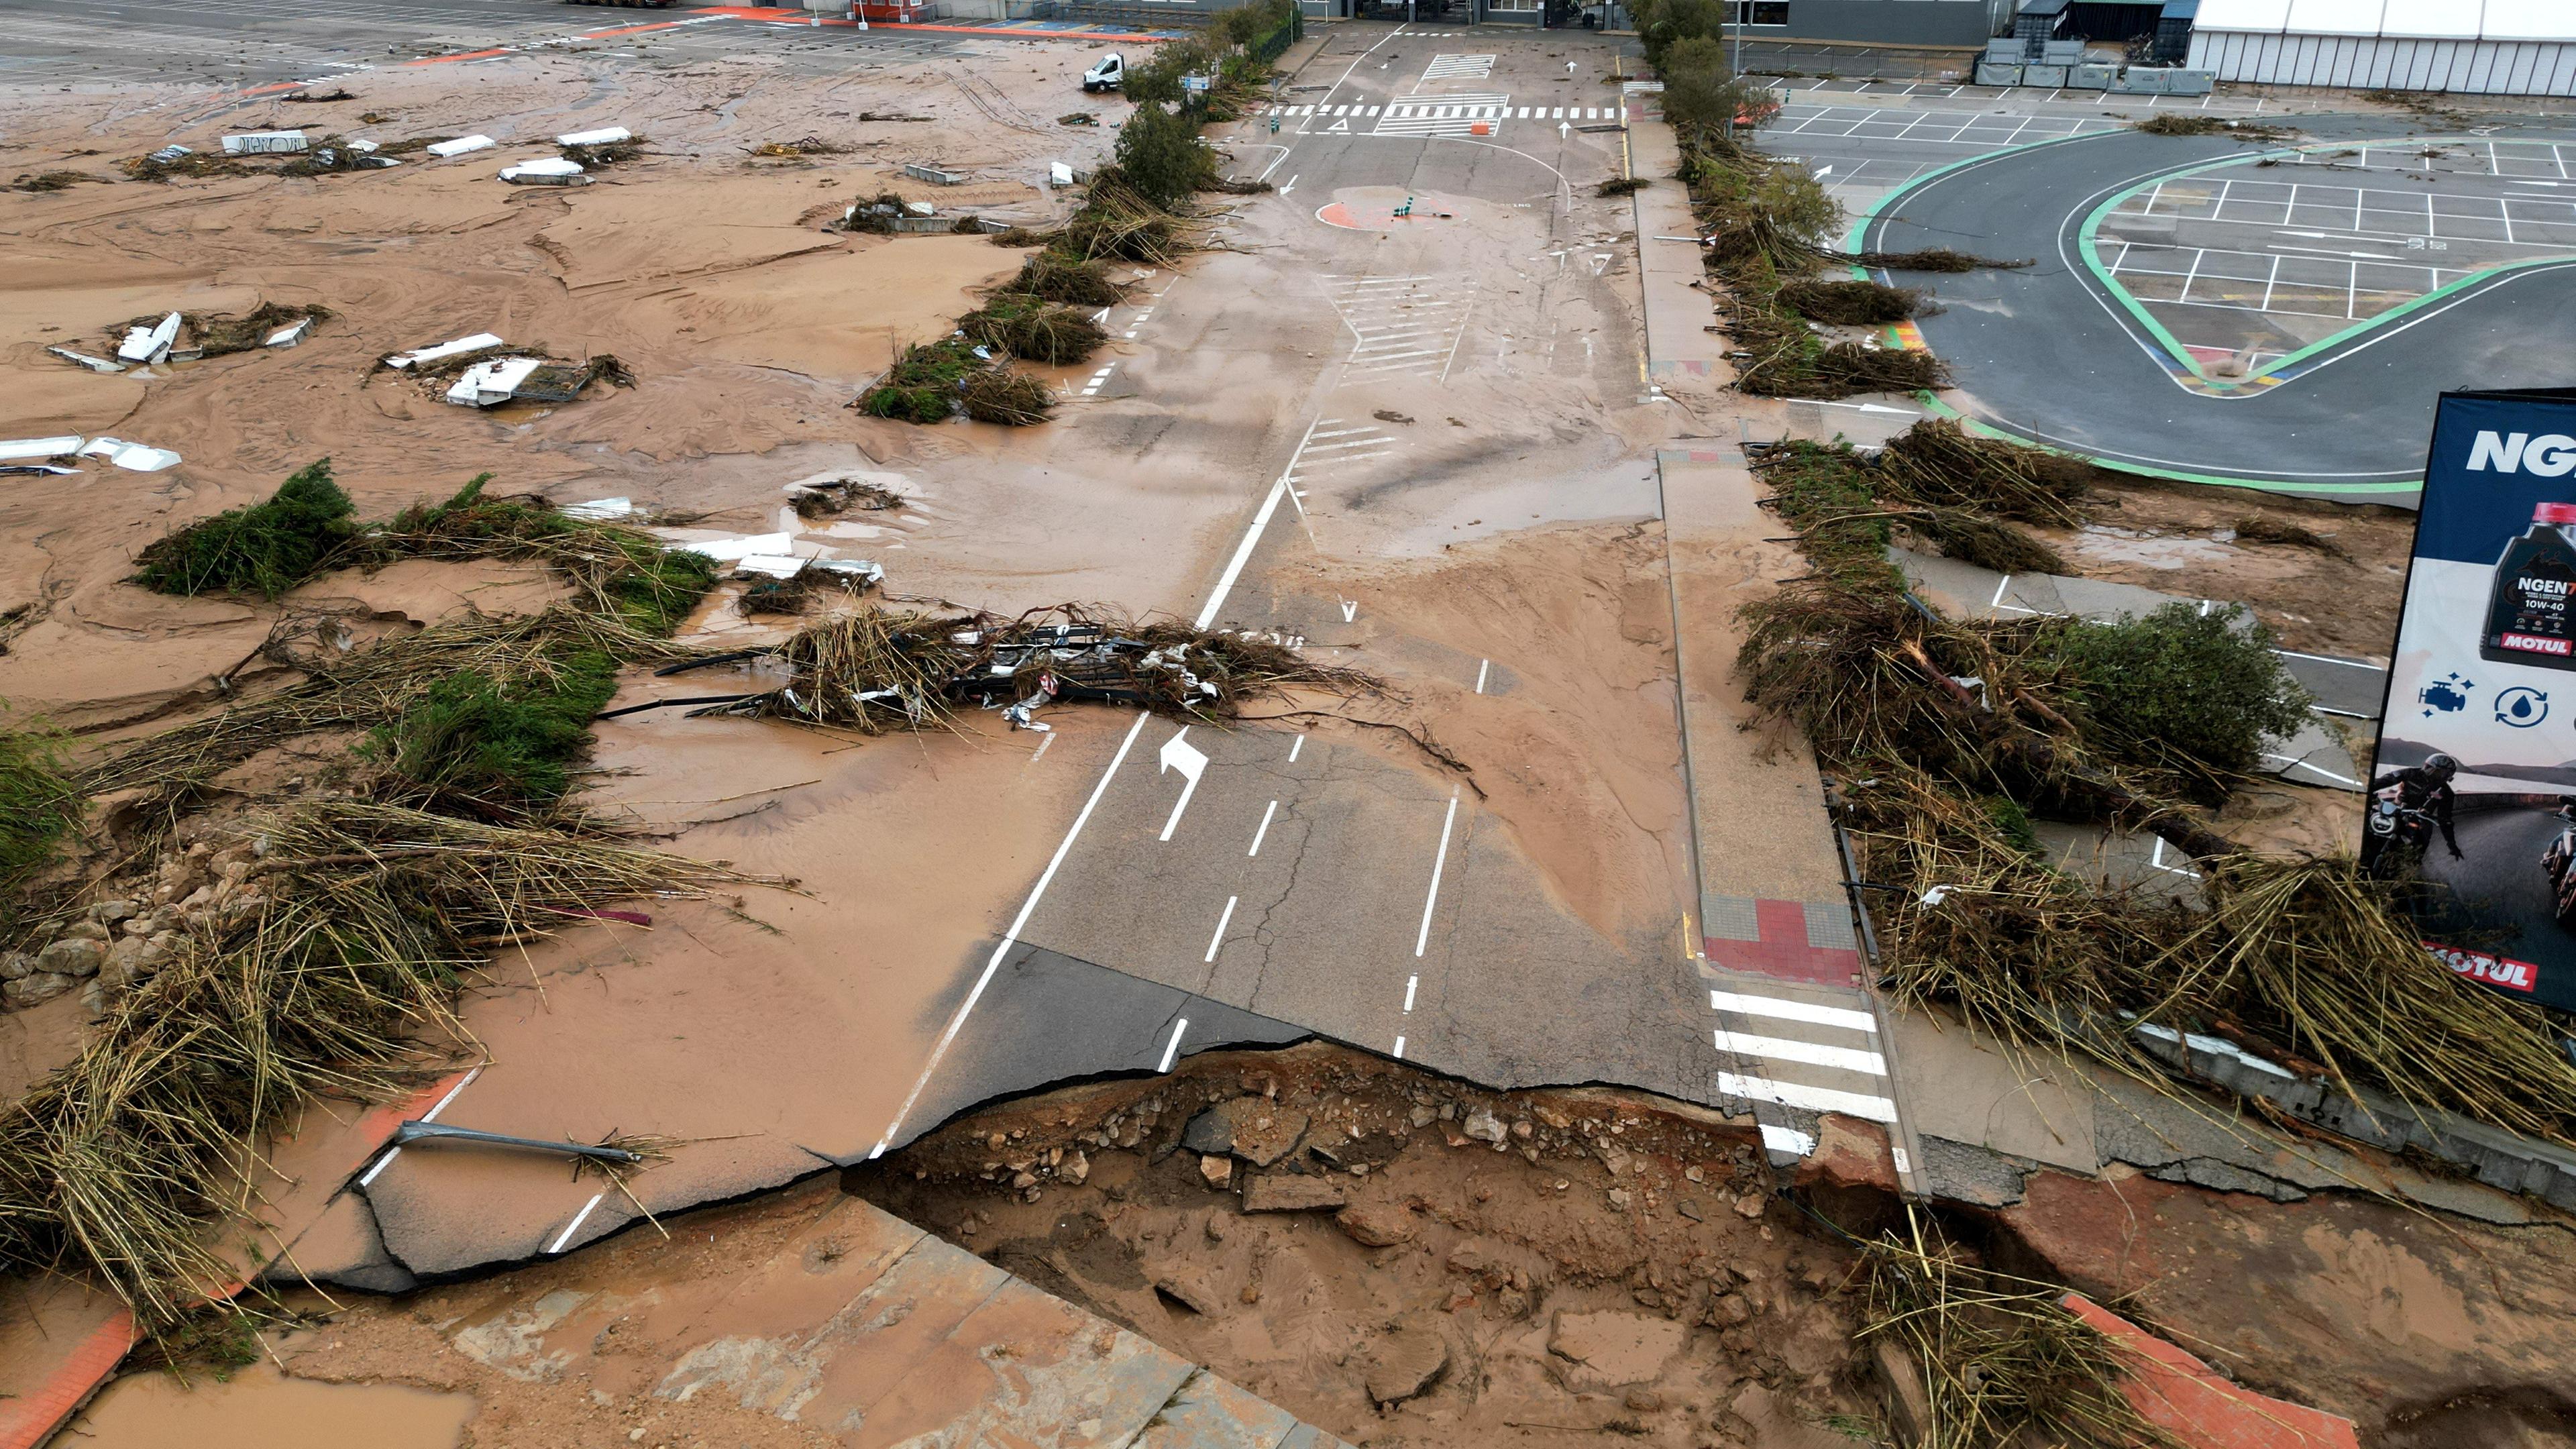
(2000, 1359)
(1028, 326)
(1622, 186)
(327, 965)
(876, 670)
(51, 180)
(1949, 735)
(2173, 123)
(39, 805)
(220, 335)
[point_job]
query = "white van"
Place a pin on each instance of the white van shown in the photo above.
(1106, 75)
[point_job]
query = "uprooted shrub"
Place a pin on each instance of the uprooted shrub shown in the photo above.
(39, 804)
(614, 571)
(1851, 303)
(495, 749)
(1076, 284)
(1033, 328)
(1160, 155)
(999, 395)
(2207, 687)
(923, 384)
(265, 548)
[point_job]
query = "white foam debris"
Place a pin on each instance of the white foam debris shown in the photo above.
(543, 171)
(290, 334)
(258, 143)
(149, 344)
(461, 145)
(608, 137)
(94, 364)
(17, 450)
(601, 510)
(734, 550)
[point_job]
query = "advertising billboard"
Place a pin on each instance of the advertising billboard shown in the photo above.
(2476, 771)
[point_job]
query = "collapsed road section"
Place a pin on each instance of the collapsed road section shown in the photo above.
(1341, 749)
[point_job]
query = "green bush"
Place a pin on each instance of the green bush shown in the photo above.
(497, 750)
(1160, 155)
(38, 805)
(2180, 682)
(625, 570)
(267, 548)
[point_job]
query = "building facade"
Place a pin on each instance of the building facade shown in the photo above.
(2477, 47)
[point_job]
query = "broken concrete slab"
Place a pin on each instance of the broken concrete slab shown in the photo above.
(94, 364)
(1407, 1361)
(23, 450)
(462, 145)
(133, 457)
(264, 143)
(490, 384)
(1599, 1351)
(545, 171)
(2179, 1393)
(476, 343)
(1206, 1412)
(149, 344)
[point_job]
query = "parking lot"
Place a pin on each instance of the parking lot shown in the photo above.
(2244, 264)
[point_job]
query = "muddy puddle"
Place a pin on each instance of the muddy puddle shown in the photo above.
(260, 1408)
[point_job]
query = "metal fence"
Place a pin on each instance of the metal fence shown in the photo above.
(1268, 47)
(1856, 62)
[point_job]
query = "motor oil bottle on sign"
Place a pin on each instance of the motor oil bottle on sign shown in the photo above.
(2531, 616)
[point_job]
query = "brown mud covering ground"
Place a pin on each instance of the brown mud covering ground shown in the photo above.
(2337, 594)
(2427, 1330)
(1533, 1268)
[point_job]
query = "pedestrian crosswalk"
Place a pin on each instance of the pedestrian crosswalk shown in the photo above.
(1797, 1053)
(1401, 326)
(1458, 67)
(1338, 445)
(1443, 115)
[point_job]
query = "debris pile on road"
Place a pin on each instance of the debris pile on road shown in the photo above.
(173, 161)
(839, 495)
(934, 381)
(1949, 736)
(484, 371)
(1986, 1358)
(877, 671)
(320, 957)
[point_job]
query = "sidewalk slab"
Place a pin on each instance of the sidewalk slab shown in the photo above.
(1678, 314)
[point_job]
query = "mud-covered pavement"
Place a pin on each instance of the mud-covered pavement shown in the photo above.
(1399, 414)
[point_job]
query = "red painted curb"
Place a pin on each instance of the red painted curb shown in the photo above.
(2178, 1392)
(26, 1421)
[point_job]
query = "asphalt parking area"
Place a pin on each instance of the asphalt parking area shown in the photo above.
(2248, 263)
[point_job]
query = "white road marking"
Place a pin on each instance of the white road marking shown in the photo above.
(1179, 754)
(1785, 1049)
(1010, 937)
(575, 1225)
(1242, 553)
(1399, 1049)
(1481, 666)
(1772, 1006)
(429, 1116)
(1422, 938)
(1410, 982)
(1264, 831)
(1294, 746)
(1813, 1099)
(1219, 938)
(1788, 1139)
(1350, 610)
(1172, 1048)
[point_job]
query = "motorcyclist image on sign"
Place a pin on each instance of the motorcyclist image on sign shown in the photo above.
(2477, 747)
(2406, 806)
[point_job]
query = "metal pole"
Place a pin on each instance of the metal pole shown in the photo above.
(1740, 7)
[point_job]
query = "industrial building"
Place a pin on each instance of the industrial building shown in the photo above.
(2484, 47)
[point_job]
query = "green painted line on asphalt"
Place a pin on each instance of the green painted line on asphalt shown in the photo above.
(2182, 354)
(1852, 239)
(1943, 409)
(2084, 247)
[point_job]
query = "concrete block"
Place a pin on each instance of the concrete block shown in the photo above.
(2043, 75)
(1998, 73)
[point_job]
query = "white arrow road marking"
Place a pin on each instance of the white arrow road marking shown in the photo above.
(1179, 754)
(1287, 186)
(1564, 129)
(1350, 610)
(1824, 171)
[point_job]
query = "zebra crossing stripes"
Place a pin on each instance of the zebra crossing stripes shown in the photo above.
(1336, 445)
(1567, 113)
(1458, 67)
(1355, 111)
(1800, 1051)
(1442, 115)
(1400, 326)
